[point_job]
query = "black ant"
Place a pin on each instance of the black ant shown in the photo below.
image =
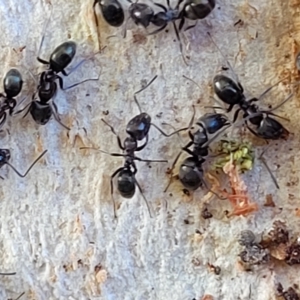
(137, 130)
(143, 14)
(191, 172)
(232, 93)
(12, 84)
(40, 108)
(4, 160)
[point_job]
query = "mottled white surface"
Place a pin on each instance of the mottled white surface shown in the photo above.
(62, 212)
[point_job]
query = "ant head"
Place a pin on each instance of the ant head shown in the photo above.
(12, 83)
(212, 122)
(227, 90)
(4, 156)
(138, 127)
(62, 56)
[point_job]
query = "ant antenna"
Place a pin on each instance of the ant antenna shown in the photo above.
(224, 57)
(270, 88)
(263, 160)
(146, 201)
(20, 296)
(124, 155)
(96, 22)
(194, 82)
(8, 274)
(143, 88)
(44, 31)
(24, 175)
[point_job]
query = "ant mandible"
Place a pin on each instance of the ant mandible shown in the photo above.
(12, 84)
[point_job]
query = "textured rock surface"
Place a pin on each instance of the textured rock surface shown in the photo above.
(57, 224)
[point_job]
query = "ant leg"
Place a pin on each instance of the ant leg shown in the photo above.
(3, 119)
(147, 85)
(229, 109)
(168, 135)
(268, 90)
(175, 162)
(182, 129)
(140, 189)
(162, 6)
(61, 83)
(236, 114)
(280, 104)
(251, 130)
(149, 160)
(81, 62)
(215, 136)
(178, 4)
(19, 297)
(190, 27)
(28, 106)
(227, 62)
(181, 23)
(24, 175)
(56, 116)
(96, 21)
(158, 30)
(113, 131)
(125, 28)
(171, 173)
(43, 61)
(180, 43)
(8, 274)
(144, 145)
(263, 160)
(142, 89)
(112, 189)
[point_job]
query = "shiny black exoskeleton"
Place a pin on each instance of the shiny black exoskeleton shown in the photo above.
(232, 94)
(5, 157)
(42, 108)
(196, 10)
(12, 84)
(191, 171)
(112, 12)
(143, 14)
(126, 181)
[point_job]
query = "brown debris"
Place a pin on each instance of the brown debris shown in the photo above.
(289, 294)
(293, 254)
(269, 201)
(239, 196)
